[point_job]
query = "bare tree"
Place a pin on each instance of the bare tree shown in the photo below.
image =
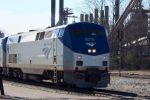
(92, 4)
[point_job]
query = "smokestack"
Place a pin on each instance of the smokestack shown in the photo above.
(106, 14)
(81, 17)
(117, 9)
(61, 11)
(106, 23)
(86, 18)
(53, 3)
(102, 17)
(96, 16)
(91, 18)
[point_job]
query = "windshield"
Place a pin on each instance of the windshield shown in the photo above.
(86, 30)
(85, 36)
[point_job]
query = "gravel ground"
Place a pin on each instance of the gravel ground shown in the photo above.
(133, 85)
(19, 91)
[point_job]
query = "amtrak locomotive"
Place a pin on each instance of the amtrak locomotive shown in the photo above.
(76, 54)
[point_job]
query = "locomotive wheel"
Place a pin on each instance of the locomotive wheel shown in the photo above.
(17, 74)
(25, 76)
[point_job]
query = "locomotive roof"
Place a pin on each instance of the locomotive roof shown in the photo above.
(49, 29)
(32, 35)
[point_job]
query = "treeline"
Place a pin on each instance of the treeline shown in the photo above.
(130, 61)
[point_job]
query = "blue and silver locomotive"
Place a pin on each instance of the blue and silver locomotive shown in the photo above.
(76, 54)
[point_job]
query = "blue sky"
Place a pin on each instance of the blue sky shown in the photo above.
(22, 15)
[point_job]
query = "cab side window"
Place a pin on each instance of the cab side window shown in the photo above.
(40, 36)
(37, 36)
(19, 39)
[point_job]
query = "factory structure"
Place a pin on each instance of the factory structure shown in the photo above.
(129, 36)
(98, 17)
(64, 13)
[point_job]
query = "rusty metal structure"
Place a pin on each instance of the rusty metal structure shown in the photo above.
(129, 40)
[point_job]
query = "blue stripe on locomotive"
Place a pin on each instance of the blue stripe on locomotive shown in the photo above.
(4, 42)
(78, 43)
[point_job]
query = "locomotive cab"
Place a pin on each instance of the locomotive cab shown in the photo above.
(89, 50)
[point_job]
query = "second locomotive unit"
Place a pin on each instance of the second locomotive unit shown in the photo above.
(76, 54)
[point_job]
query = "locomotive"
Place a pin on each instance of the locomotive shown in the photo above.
(76, 54)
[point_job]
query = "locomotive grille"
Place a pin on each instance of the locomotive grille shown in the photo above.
(92, 75)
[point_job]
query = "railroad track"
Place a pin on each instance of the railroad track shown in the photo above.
(114, 92)
(45, 86)
(128, 75)
(120, 94)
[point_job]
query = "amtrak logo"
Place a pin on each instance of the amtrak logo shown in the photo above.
(46, 52)
(91, 44)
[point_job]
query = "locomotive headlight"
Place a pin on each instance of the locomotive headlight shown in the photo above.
(104, 57)
(89, 50)
(94, 51)
(79, 57)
